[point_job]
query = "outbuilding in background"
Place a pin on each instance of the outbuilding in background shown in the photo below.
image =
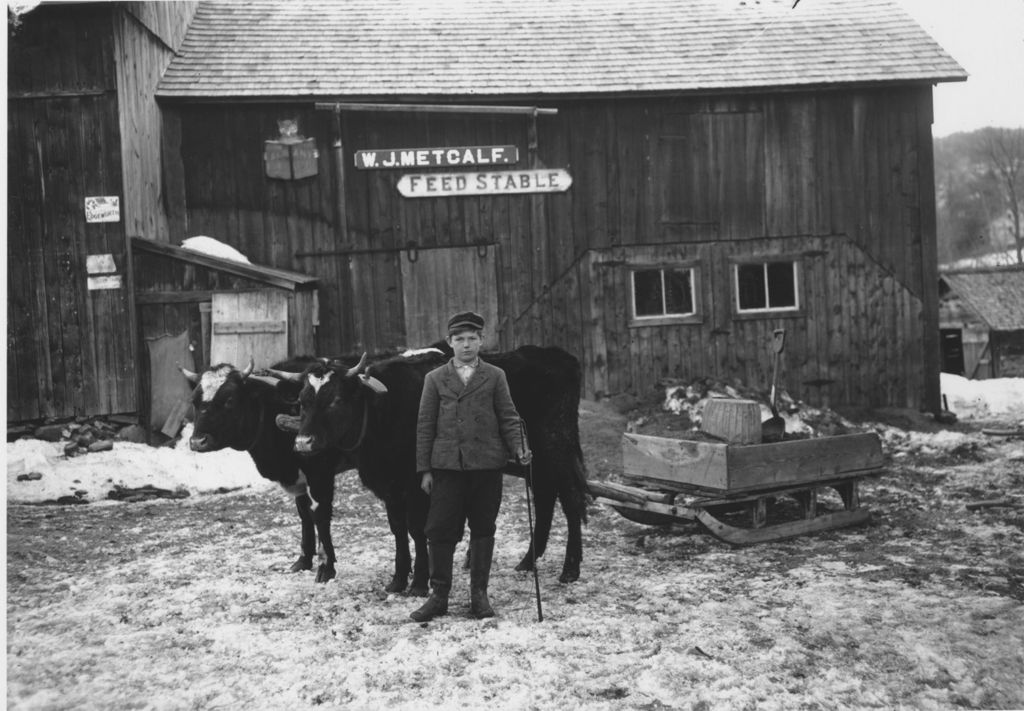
(981, 319)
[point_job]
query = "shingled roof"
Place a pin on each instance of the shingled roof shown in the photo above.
(420, 48)
(996, 295)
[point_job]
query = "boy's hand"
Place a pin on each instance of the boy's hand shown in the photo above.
(524, 457)
(427, 482)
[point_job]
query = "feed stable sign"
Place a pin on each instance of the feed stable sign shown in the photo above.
(543, 180)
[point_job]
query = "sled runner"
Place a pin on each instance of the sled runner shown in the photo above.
(742, 493)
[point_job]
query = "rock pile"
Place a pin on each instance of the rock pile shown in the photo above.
(83, 434)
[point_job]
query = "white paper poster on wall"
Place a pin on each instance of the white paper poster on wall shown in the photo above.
(103, 208)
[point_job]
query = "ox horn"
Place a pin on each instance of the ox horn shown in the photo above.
(374, 384)
(358, 367)
(192, 377)
(285, 375)
(248, 369)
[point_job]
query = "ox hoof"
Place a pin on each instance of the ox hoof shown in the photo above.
(303, 563)
(525, 565)
(418, 591)
(569, 576)
(397, 585)
(324, 573)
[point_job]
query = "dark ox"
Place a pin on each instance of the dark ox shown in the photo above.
(372, 412)
(237, 410)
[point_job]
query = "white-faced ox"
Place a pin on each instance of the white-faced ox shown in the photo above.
(372, 412)
(235, 410)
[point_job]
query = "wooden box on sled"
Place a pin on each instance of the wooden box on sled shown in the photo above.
(727, 469)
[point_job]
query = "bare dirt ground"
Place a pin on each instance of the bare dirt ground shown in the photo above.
(188, 604)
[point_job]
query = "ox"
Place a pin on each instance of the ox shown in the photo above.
(372, 411)
(235, 410)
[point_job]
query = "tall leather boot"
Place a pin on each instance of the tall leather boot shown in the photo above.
(441, 555)
(481, 551)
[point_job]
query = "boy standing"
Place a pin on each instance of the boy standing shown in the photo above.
(468, 427)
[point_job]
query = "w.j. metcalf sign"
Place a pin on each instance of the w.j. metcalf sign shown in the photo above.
(436, 157)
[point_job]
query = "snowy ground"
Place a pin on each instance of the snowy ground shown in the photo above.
(187, 603)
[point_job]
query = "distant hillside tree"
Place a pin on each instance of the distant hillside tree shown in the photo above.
(965, 197)
(1003, 150)
(979, 192)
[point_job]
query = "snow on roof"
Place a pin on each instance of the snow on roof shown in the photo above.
(214, 248)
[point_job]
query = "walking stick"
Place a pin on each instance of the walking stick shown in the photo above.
(529, 515)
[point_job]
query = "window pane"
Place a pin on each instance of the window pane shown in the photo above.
(750, 283)
(781, 285)
(679, 291)
(647, 292)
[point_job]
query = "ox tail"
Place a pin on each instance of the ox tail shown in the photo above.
(579, 490)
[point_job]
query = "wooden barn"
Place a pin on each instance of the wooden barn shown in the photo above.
(83, 173)
(654, 185)
(981, 321)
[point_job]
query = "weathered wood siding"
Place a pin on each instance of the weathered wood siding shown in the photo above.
(82, 121)
(145, 35)
(69, 351)
(845, 176)
(824, 360)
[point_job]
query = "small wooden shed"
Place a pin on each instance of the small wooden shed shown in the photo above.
(981, 320)
(195, 309)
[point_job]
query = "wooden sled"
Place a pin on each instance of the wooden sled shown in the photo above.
(675, 480)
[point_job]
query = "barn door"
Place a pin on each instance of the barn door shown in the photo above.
(437, 283)
(952, 351)
(248, 324)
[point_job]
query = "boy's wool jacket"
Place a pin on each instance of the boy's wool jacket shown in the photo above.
(466, 427)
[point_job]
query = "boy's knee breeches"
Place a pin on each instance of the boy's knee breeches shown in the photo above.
(459, 497)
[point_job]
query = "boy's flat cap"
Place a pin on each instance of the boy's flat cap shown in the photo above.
(466, 319)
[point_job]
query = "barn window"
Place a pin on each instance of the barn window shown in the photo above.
(767, 286)
(663, 294)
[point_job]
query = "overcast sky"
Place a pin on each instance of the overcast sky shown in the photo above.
(987, 38)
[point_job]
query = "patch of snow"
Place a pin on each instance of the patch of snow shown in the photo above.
(214, 248)
(994, 259)
(127, 464)
(981, 399)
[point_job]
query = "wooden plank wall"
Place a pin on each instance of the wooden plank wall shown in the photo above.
(862, 184)
(819, 345)
(146, 36)
(849, 172)
(69, 352)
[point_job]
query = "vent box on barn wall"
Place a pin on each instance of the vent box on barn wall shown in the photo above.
(291, 158)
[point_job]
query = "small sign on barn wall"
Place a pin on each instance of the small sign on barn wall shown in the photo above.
(437, 157)
(291, 159)
(103, 208)
(102, 271)
(545, 180)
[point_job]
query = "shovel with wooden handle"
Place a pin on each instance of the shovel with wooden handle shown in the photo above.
(774, 428)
